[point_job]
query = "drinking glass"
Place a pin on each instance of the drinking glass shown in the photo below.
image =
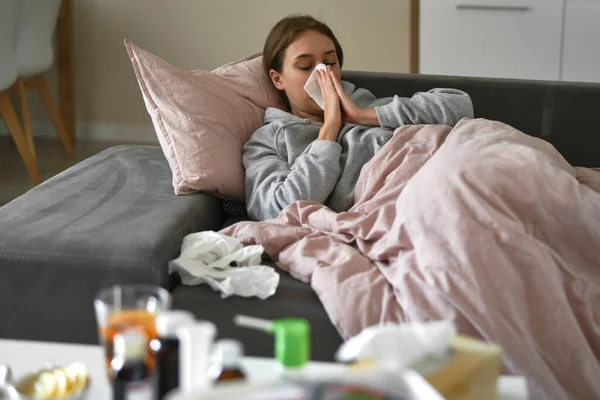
(123, 307)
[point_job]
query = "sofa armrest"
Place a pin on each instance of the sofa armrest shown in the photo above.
(110, 219)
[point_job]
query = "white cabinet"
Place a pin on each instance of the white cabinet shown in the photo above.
(492, 38)
(581, 41)
(527, 39)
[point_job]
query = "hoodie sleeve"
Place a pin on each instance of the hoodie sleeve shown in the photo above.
(437, 106)
(272, 185)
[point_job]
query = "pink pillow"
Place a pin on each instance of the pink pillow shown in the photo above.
(203, 119)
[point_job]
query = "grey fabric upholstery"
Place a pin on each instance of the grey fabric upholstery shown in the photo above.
(112, 218)
(562, 113)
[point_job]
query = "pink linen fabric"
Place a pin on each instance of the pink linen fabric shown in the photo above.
(480, 224)
(203, 119)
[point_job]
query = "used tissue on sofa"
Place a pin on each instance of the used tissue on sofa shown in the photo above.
(312, 86)
(224, 264)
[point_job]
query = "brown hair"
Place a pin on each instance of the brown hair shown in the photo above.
(284, 33)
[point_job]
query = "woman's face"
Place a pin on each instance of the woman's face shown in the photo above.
(309, 49)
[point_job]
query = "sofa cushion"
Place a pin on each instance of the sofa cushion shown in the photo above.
(112, 218)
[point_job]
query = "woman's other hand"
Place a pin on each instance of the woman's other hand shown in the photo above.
(332, 119)
(353, 114)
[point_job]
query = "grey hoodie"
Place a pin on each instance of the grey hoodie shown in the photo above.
(285, 163)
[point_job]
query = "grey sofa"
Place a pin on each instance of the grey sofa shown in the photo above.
(113, 218)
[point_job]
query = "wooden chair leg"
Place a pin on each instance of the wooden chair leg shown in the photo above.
(65, 65)
(12, 122)
(41, 86)
(24, 108)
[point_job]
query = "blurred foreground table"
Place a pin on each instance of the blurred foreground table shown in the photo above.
(27, 356)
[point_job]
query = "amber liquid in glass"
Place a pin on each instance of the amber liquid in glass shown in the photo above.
(127, 319)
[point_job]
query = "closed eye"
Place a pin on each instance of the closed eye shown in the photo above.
(310, 66)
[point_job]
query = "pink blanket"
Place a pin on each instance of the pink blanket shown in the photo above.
(480, 224)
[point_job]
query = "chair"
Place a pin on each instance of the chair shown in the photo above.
(34, 56)
(9, 12)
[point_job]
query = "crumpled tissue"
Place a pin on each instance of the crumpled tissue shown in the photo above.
(225, 265)
(312, 86)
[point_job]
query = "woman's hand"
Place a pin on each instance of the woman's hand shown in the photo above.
(353, 114)
(332, 119)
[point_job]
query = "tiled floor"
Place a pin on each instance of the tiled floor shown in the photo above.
(14, 180)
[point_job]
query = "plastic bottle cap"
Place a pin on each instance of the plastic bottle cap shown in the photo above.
(167, 322)
(292, 341)
(130, 344)
(228, 352)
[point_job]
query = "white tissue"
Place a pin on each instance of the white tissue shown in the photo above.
(312, 86)
(206, 257)
(399, 345)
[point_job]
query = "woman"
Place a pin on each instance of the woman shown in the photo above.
(313, 154)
